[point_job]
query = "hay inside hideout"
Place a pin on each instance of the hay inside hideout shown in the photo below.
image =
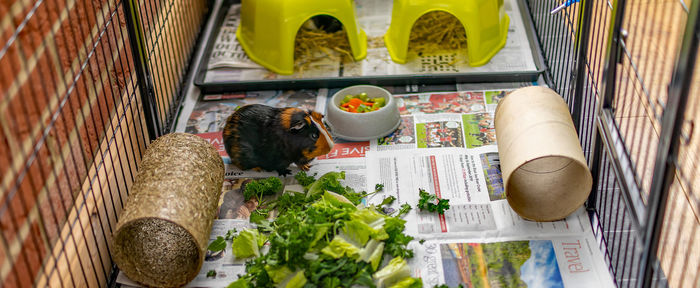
(437, 31)
(313, 45)
(432, 33)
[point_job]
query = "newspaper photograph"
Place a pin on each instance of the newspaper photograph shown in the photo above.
(446, 119)
(512, 262)
(229, 63)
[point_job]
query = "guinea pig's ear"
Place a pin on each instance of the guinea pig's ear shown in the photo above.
(297, 126)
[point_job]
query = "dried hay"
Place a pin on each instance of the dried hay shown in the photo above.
(162, 234)
(437, 31)
(312, 45)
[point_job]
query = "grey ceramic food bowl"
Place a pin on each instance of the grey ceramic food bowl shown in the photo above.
(362, 126)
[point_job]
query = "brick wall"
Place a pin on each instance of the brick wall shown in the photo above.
(71, 129)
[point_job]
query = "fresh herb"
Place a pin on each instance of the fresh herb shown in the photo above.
(405, 208)
(304, 179)
(262, 187)
(230, 234)
(211, 274)
(387, 201)
(384, 205)
(288, 200)
(318, 239)
(421, 241)
(443, 205)
(217, 245)
(259, 214)
(379, 187)
(342, 271)
(328, 182)
(395, 245)
(427, 202)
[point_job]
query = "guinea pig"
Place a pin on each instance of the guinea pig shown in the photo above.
(261, 137)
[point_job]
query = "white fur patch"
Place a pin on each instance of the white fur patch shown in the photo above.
(324, 132)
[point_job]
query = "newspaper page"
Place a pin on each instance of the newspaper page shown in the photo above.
(227, 52)
(228, 62)
(555, 261)
(446, 145)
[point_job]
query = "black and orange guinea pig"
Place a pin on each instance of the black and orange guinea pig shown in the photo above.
(261, 137)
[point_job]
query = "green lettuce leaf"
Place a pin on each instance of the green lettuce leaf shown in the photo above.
(367, 215)
(331, 199)
(340, 247)
(278, 274)
(392, 273)
(297, 280)
(247, 244)
(358, 231)
(372, 253)
(409, 282)
(328, 182)
(240, 283)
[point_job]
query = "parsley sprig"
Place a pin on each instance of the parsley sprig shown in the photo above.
(428, 201)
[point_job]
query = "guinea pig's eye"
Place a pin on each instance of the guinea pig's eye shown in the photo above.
(314, 135)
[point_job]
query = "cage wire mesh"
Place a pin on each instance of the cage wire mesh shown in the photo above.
(621, 140)
(614, 229)
(679, 242)
(167, 45)
(72, 128)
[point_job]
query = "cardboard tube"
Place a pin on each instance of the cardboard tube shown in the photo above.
(162, 234)
(544, 170)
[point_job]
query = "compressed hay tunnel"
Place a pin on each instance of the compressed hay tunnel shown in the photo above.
(162, 236)
(86, 85)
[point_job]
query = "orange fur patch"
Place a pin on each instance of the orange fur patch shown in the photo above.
(286, 117)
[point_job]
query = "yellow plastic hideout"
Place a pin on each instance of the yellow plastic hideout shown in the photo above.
(485, 22)
(268, 28)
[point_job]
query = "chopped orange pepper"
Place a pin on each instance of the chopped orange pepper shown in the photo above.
(355, 102)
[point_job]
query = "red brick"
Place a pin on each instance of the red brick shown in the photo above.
(23, 199)
(4, 153)
(28, 264)
(10, 64)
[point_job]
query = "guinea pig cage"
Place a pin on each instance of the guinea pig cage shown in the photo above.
(85, 86)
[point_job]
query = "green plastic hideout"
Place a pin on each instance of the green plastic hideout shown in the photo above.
(361, 103)
(268, 29)
(485, 22)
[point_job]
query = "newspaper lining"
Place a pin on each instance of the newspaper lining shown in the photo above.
(447, 146)
(228, 61)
